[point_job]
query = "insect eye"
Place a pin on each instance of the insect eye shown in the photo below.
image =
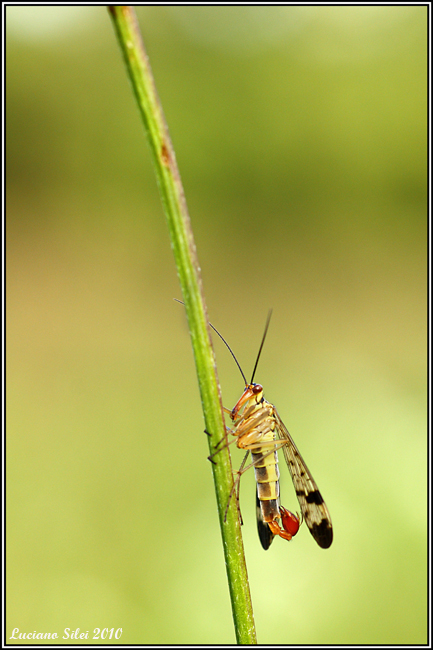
(257, 389)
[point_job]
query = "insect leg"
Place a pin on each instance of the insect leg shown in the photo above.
(220, 448)
(276, 445)
(236, 487)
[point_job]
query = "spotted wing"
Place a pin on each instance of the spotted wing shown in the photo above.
(313, 507)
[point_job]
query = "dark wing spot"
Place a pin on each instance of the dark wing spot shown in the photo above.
(315, 497)
(265, 534)
(322, 533)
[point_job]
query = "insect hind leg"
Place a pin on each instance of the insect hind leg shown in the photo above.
(235, 490)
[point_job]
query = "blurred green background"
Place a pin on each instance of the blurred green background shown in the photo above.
(300, 133)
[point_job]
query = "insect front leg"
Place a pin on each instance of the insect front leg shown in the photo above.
(221, 444)
(220, 447)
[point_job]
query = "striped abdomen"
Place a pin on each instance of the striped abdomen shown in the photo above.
(267, 477)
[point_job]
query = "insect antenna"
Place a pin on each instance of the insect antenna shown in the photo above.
(261, 345)
(231, 352)
(224, 341)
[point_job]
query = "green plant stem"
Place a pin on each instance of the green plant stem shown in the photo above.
(182, 242)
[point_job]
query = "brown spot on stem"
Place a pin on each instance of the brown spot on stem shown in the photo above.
(165, 155)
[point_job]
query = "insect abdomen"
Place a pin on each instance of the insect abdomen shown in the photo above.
(268, 486)
(268, 493)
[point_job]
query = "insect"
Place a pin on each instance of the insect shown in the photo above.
(259, 430)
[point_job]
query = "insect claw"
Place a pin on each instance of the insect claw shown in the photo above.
(207, 433)
(212, 461)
